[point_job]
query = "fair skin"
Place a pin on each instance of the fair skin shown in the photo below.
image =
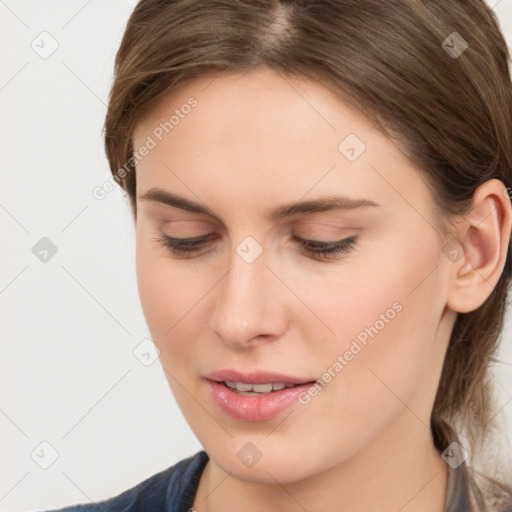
(254, 143)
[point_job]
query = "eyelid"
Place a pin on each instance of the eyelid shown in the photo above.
(187, 248)
(205, 238)
(191, 240)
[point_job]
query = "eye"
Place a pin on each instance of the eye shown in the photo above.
(314, 248)
(326, 250)
(183, 246)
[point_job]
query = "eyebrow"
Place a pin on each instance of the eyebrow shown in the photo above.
(322, 204)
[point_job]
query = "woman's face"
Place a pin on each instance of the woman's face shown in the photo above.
(369, 323)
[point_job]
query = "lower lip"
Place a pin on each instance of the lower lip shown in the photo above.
(255, 408)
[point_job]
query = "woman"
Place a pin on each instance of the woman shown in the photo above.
(320, 196)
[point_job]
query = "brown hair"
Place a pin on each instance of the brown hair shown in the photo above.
(450, 114)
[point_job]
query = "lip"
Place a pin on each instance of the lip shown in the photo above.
(255, 408)
(256, 377)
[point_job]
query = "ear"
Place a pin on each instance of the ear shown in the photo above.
(484, 237)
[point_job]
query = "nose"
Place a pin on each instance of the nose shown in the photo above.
(250, 304)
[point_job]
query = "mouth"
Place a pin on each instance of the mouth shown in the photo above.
(257, 396)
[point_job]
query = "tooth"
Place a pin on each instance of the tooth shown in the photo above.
(258, 388)
(262, 388)
(242, 386)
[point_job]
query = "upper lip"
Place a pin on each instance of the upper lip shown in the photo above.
(255, 377)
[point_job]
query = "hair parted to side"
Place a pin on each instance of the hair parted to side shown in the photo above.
(451, 116)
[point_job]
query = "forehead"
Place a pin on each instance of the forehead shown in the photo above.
(265, 134)
(264, 95)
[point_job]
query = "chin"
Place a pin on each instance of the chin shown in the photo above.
(274, 465)
(268, 472)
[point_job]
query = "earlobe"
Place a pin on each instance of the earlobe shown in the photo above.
(485, 238)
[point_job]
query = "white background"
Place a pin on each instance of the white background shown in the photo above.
(69, 326)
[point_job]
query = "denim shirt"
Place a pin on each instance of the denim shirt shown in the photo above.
(174, 490)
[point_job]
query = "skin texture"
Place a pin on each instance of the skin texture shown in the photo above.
(256, 141)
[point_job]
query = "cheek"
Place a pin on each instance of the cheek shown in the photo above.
(385, 321)
(355, 296)
(167, 295)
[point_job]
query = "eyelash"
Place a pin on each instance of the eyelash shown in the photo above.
(313, 248)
